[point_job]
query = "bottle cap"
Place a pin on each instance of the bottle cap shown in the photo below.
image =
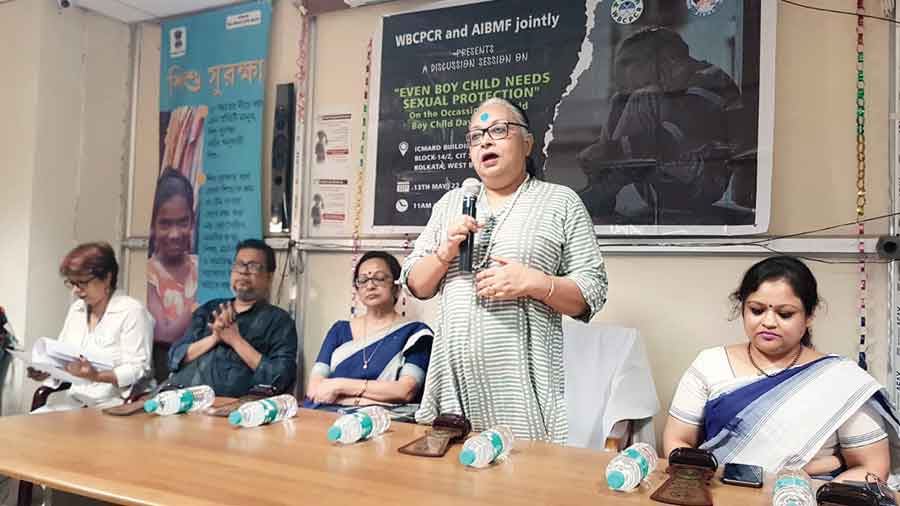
(334, 433)
(151, 406)
(615, 480)
(235, 418)
(467, 457)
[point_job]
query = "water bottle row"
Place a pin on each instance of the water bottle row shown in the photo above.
(490, 446)
(198, 398)
(480, 451)
(632, 466)
(183, 400)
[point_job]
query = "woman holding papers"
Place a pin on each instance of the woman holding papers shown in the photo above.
(113, 327)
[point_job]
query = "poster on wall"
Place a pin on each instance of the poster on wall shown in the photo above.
(332, 177)
(207, 195)
(659, 114)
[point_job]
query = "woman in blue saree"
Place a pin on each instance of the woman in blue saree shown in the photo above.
(375, 358)
(775, 401)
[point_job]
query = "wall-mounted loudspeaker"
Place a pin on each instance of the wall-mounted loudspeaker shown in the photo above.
(888, 246)
(282, 159)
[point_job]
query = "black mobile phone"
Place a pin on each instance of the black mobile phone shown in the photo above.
(263, 390)
(743, 475)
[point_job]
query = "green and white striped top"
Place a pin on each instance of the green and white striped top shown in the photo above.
(501, 362)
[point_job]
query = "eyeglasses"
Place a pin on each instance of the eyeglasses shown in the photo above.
(80, 283)
(247, 267)
(376, 280)
(497, 131)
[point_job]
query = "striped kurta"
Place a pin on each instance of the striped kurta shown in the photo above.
(501, 362)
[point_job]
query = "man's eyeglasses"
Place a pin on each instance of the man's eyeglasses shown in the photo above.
(497, 131)
(376, 280)
(80, 283)
(247, 267)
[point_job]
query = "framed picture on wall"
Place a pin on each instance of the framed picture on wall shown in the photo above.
(658, 114)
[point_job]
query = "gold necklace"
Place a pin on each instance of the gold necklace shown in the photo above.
(792, 364)
(365, 359)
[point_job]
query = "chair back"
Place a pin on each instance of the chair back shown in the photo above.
(608, 379)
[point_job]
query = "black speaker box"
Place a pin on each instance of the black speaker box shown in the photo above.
(283, 155)
(888, 247)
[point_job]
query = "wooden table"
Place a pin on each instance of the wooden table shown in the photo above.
(200, 460)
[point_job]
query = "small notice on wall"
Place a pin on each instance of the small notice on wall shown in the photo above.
(333, 189)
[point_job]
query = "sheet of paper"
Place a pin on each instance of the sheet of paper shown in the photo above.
(58, 353)
(55, 371)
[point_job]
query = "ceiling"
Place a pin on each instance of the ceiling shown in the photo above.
(134, 11)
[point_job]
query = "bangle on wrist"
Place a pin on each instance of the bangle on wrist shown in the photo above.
(361, 392)
(550, 292)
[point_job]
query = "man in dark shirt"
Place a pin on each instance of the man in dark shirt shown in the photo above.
(235, 344)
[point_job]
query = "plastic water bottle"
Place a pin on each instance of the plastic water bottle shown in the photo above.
(264, 411)
(628, 469)
(792, 488)
(365, 423)
(489, 446)
(181, 401)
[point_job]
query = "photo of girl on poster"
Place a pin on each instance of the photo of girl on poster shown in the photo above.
(172, 268)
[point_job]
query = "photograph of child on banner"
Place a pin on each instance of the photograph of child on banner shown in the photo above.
(172, 268)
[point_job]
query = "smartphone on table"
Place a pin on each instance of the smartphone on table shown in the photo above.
(743, 475)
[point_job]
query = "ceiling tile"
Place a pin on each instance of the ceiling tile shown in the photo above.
(116, 10)
(131, 11)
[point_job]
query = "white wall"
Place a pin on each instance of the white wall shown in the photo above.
(18, 98)
(65, 158)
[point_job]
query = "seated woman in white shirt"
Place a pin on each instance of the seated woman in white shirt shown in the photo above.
(775, 401)
(103, 321)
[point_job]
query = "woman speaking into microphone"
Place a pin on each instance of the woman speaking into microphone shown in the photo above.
(498, 350)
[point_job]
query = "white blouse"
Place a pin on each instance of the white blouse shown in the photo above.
(125, 331)
(711, 374)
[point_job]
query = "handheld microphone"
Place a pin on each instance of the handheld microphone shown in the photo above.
(471, 187)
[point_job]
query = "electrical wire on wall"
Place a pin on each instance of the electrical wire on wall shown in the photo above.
(888, 7)
(861, 174)
(360, 176)
(301, 84)
(764, 244)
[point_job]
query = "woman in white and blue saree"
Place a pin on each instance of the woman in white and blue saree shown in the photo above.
(377, 357)
(775, 401)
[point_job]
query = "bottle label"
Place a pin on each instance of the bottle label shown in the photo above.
(365, 422)
(271, 410)
(185, 401)
(497, 443)
(640, 459)
(789, 481)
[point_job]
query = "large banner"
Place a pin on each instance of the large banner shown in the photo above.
(658, 113)
(208, 192)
